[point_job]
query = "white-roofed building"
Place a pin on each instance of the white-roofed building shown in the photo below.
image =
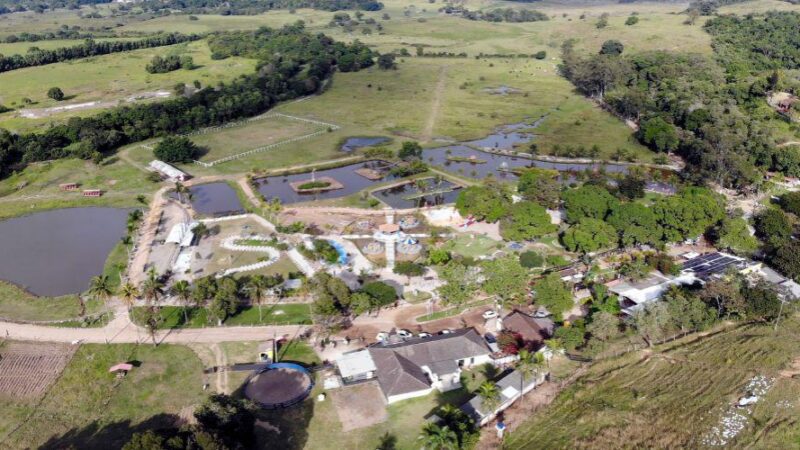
(634, 294)
(181, 234)
(356, 366)
(168, 171)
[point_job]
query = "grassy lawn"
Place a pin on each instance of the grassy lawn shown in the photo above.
(471, 245)
(674, 397)
(250, 135)
(90, 408)
(16, 304)
(111, 78)
(36, 187)
(450, 312)
(284, 314)
(116, 263)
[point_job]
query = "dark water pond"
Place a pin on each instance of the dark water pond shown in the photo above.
(57, 252)
(354, 143)
(215, 199)
(498, 165)
(407, 195)
(278, 186)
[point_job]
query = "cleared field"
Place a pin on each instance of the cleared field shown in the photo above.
(90, 408)
(677, 394)
(28, 369)
(224, 142)
(33, 22)
(113, 77)
(36, 187)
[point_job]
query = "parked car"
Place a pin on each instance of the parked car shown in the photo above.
(541, 314)
(445, 331)
(424, 335)
(490, 314)
(382, 336)
(490, 338)
(405, 334)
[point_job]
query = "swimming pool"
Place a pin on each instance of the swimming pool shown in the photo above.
(341, 251)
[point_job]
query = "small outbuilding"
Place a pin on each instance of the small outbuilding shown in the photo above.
(167, 171)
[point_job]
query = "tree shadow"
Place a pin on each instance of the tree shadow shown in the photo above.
(285, 429)
(112, 435)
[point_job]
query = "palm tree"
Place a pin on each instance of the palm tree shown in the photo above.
(201, 230)
(435, 437)
(527, 365)
(151, 320)
(183, 291)
(127, 241)
(490, 396)
(180, 189)
(128, 293)
(152, 287)
(100, 288)
(256, 287)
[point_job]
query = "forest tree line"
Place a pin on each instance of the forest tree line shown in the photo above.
(298, 66)
(39, 57)
(226, 7)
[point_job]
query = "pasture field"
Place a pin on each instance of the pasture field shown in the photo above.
(32, 22)
(36, 187)
(113, 77)
(16, 304)
(88, 407)
(674, 395)
(231, 141)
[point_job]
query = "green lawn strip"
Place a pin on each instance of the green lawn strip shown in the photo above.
(115, 264)
(281, 314)
(88, 407)
(16, 304)
(450, 312)
(472, 245)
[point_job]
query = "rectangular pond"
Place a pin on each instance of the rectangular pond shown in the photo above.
(215, 199)
(57, 252)
(279, 186)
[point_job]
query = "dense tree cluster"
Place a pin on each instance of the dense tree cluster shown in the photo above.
(39, 57)
(293, 64)
(744, 44)
(64, 33)
(684, 103)
(497, 14)
(224, 7)
(169, 63)
(176, 149)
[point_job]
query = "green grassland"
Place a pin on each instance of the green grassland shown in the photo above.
(672, 396)
(90, 408)
(250, 135)
(282, 314)
(110, 78)
(36, 187)
(16, 304)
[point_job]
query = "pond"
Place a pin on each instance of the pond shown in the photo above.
(425, 192)
(279, 186)
(57, 252)
(354, 143)
(215, 199)
(473, 163)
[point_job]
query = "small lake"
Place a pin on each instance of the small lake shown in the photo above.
(355, 143)
(57, 252)
(215, 199)
(408, 195)
(278, 186)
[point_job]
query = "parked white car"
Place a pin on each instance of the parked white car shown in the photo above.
(490, 314)
(445, 331)
(382, 336)
(424, 335)
(405, 334)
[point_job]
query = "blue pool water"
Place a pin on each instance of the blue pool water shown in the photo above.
(342, 252)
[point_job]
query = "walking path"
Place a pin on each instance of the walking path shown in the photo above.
(438, 93)
(230, 244)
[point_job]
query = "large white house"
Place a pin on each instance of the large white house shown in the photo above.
(417, 366)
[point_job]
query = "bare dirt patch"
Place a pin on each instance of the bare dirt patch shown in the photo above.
(359, 406)
(28, 369)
